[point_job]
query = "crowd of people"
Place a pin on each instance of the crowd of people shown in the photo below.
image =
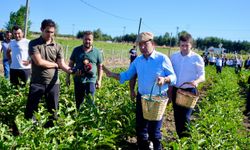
(222, 60)
(40, 60)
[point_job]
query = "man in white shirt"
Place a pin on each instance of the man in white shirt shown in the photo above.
(188, 67)
(19, 58)
(212, 59)
(218, 64)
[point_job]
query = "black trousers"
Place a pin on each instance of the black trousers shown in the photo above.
(182, 115)
(36, 92)
(248, 101)
(83, 89)
(19, 76)
(218, 69)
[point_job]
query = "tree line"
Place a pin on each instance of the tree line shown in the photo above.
(242, 47)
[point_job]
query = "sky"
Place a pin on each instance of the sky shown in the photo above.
(227, 19)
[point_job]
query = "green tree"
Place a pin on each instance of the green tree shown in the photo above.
(182, 33)
(18, 18)
(129, 37)
(57, 29)
(79, 35)
(97, 34)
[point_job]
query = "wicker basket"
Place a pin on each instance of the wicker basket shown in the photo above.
(186, 98)
(153, 106)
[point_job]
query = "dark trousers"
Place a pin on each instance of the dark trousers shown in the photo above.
(211, 63)
(182, 115)
(51, 94)
(237, 69)
(248, 101)
(83, 89)
(19, 76)
(218, 69)
(145, 129)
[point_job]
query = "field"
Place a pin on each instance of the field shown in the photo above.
(115, 54)
(217, 123)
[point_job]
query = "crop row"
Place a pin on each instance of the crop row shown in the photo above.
(217, 124)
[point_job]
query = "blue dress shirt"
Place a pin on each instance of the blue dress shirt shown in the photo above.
(147, 70)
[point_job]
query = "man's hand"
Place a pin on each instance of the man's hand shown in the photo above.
(78, 72)
(132, 95)
(69, 70)
(160, 81)
(108, 73)
(194, 83)
(25, 62)
(98, 84)
(56, 65)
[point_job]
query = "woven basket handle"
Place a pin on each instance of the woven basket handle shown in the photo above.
(190, 83)
(152, 89)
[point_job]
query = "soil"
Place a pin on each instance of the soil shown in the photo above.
(246, 122)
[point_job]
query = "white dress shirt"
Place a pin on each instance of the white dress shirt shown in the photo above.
(219, 62)
(187, 68)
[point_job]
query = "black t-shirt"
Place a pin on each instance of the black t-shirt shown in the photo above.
(133, 54)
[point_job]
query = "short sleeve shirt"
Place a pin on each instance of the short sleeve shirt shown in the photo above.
(95, 58)
(50, 52)
(5, 46)
(19, 50)
(133, 54)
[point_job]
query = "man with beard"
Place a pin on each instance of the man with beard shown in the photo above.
(86, 62)
(19, 58)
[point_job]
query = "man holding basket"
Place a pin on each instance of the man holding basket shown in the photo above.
(189, 70)
(152, 68)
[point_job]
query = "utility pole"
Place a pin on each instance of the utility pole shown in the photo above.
(170, 42)
(123, 33)
(124, 29)
(26, 19)
(177, 35)
(139, 27)
(73, 30)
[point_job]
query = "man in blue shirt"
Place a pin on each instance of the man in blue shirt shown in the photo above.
(5, 46)
(151, 67)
